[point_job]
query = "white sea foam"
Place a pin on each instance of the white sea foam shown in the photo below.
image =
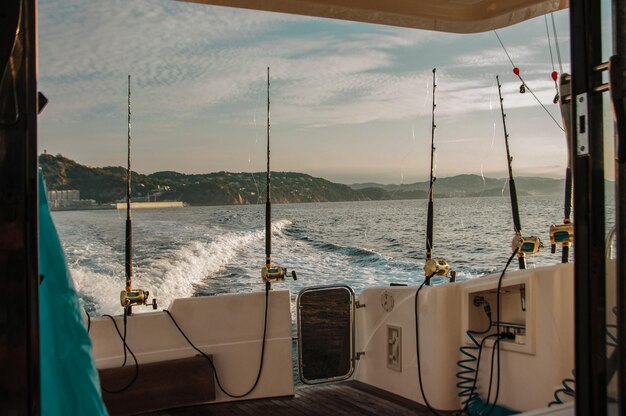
(101, 289)
(171, 276)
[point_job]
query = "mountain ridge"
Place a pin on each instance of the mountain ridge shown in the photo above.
(108, 184)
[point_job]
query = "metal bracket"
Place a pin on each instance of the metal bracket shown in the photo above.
(358, 355)
(616, 87)
(582, 125)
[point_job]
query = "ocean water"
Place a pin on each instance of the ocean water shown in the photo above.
(198, 251)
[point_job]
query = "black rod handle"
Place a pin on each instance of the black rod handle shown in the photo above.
(429, 229)
(517, 225)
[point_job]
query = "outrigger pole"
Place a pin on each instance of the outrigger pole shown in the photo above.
(270, 273)
(429, 223)
(129, 225)
(522, 244)
(564, 233)
(129, 296)
(268, 203)
(438, 267)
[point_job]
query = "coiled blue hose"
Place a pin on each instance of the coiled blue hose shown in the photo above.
(467, 374)
(568, 389)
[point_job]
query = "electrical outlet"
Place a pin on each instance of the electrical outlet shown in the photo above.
(394, 347)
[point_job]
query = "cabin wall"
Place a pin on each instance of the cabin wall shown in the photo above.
(229, 327)
(530, 376)
(439, 310)
(531, 369)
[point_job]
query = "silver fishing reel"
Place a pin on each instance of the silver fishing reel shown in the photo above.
(526, 245)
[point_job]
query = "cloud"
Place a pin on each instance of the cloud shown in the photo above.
(199, 73)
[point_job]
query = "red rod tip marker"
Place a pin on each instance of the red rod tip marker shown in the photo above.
(555, 75)
(516, 71)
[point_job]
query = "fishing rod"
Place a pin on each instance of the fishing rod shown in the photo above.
(270, 273)
(523, 245)
(564, 233)
(130, 297)
(433, 267)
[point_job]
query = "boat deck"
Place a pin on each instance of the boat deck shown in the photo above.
(341, 399)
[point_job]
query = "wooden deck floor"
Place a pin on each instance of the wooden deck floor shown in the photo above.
(341, 399)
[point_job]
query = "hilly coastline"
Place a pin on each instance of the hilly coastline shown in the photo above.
(107, 185)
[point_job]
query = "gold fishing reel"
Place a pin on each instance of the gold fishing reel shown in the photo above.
(526, 245)
(561, 234)
(275, 273)
(136, 297)
(436, 267)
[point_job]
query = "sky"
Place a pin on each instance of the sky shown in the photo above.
(350, 102)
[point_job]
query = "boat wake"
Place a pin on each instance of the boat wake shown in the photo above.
(172, 274)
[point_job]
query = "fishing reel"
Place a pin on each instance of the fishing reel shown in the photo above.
(136, 297)
(437, 267)
(275, 273)
(526, 245)
(561, 234)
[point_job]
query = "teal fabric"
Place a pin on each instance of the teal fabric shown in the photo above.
(69, 378)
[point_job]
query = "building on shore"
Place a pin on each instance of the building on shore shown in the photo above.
(161, 204)
(68, 199)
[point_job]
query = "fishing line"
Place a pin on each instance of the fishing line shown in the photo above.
(256, 141)
(482, 175)
(493, 138)
(524, 85)
(412, 149)
(542, 106)
(506, 181)
(426, 95)
(556, 44)
(505, 51)
(545, 18)
(555, 75)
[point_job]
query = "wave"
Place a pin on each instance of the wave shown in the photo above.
(363, 257)
(347, 250)
(174, 275)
